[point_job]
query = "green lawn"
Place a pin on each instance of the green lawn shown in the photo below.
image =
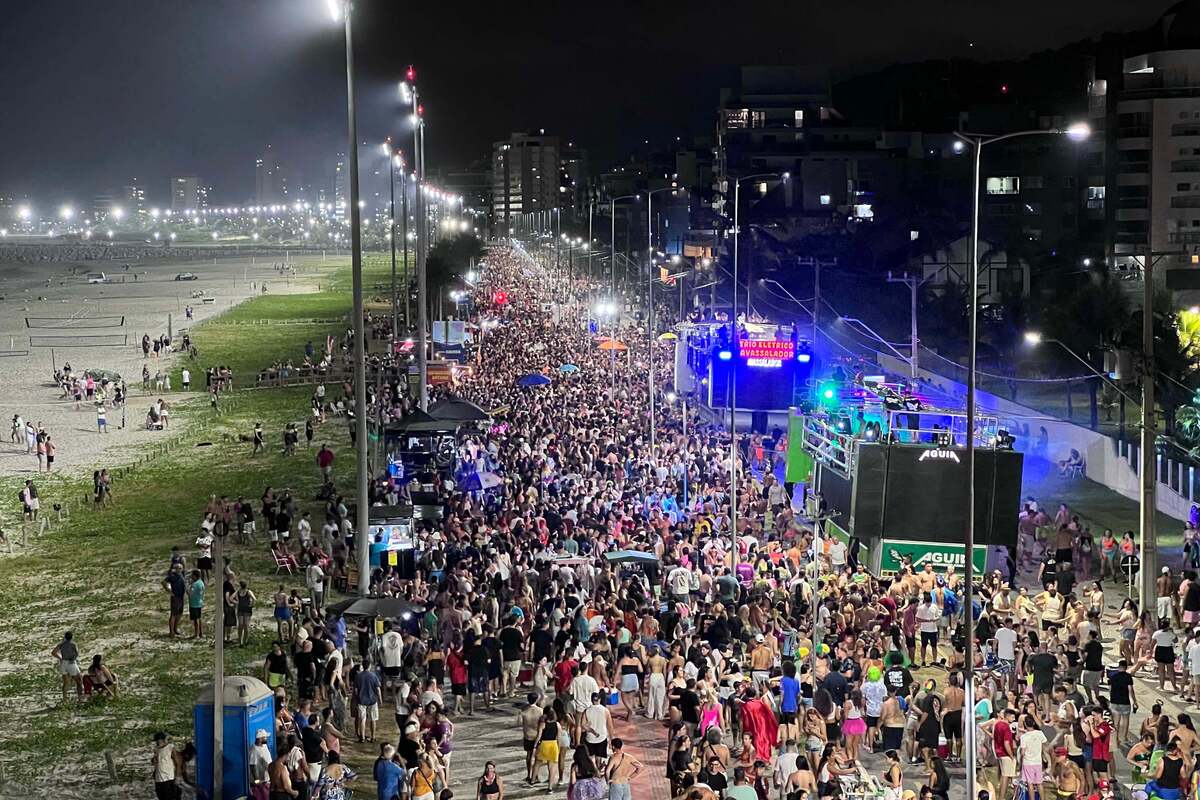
(97, 573)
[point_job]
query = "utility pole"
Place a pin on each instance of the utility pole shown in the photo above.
(1148, 471)
(218, 573)
(913, 282)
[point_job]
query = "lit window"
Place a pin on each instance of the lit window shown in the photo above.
(762, 187)
(1003, 185)
(1095, 193)
(826, 199)
(799, 118)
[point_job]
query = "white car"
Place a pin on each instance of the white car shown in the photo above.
(97, 277)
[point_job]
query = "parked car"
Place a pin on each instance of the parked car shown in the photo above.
(187, 276)
(97, 277)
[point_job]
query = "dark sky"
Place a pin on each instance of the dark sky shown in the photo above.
(92, 93)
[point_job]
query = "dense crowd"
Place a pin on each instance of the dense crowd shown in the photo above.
(598, 580)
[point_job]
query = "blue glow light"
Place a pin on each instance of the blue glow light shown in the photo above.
(804, 358)
(725, 355)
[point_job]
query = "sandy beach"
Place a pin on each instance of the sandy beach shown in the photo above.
(60, 301)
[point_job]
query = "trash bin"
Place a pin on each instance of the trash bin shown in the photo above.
(249, 706)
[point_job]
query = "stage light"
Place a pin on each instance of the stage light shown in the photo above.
(803, 357)
(724, 355)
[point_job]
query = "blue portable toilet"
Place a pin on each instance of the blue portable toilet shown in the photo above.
(249, 707)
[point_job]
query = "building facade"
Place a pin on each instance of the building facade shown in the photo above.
(185, 193)
(525, 176)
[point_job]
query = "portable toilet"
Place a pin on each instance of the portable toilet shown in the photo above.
(249, 707)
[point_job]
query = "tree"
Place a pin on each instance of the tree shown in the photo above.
(448, 259)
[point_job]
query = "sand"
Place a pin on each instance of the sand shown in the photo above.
(51, 292)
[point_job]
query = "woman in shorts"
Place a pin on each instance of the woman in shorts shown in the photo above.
(547, 753)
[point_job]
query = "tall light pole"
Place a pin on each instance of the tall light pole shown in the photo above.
(591, 241)
(650, 300)
(612, 274)
(978, 142)
(408, 90)
(733, 459)
(393, 158)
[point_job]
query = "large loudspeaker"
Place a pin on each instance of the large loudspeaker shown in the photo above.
(919, 492)
(406, 564)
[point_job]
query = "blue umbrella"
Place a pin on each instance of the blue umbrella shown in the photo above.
(533, 380)
(567, 369)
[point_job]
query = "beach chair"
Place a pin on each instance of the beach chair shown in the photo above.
(283, 561)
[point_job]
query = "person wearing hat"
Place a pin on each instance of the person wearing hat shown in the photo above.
(260, 766)
(1066, 775)
(167, 765)
(761, 661)
(1164, 601)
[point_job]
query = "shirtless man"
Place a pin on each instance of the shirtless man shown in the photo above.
(1165, 590)
(1066, 776)
(621, 770)
(891, 722)
(952, 716)
(530, 720)
(927, 579)
(761, 661)
(281, 779)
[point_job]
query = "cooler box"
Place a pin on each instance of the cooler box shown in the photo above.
(249, 706)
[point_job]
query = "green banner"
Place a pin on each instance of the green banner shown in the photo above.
(799, 463)
(940, 554)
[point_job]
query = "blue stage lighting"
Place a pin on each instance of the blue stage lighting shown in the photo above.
(725, 355)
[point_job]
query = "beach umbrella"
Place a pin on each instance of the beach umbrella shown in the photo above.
(613, 344)
(568, 369)
(387, 607)
(457, 411)
(533, 380)
(667, 337)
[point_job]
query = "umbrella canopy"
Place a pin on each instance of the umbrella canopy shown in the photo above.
(667, 337)
(613, 344)
(567, 369)
(387, 607)
(630, 557)
(455, 410)
(479, 481)
(533, 380)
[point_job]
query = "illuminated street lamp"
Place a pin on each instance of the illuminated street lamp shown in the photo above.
(1076, 132)
(66, 212)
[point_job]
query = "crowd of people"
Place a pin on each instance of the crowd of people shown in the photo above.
(598, 583)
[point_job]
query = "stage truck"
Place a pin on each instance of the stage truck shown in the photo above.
(890, 471)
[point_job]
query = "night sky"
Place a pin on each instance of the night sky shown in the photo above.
(96, 92)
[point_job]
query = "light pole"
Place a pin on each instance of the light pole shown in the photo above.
(733, 459)
(408, 90)
(978, 142)
(393, 158)
(650, 301)
(612, 275)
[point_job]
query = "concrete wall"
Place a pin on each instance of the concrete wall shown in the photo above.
(1105, 464)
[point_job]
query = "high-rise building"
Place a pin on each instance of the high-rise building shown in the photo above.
(185, 193)
(525, 176)
(1154, 201)
(133, 198)
(270, 180)
(340, 186)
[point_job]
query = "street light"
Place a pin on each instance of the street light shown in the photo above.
(395, 159)
(1076, 132)
(612, 274)
(341, 10)
(733, 460)
(412, 97)
(1035, 338)
(674, 189)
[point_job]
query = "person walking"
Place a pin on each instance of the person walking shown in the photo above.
(66, 653)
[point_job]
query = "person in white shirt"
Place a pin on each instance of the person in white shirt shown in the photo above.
(304, 530)
(597, 725)
(1006, 649)
(314, 578)
(680, 581)
(928, 615)
(837, 556)
(1193, 658)
(1033, 742)
(391, 646)
(581, 689)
